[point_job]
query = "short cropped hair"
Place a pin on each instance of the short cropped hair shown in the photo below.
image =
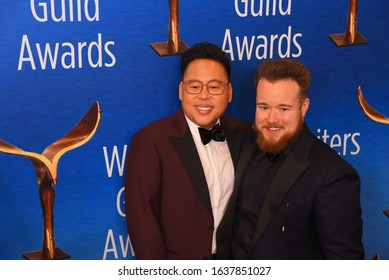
(205, 51)
(274, 70)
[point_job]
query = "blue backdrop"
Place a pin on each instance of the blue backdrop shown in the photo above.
(57, 60)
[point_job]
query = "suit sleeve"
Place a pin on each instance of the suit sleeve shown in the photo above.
(142, 197)
(339, 214)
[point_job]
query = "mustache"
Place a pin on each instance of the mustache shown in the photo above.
(268, 125)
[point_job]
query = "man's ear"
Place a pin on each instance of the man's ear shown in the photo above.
(305, 106)
(180, 90)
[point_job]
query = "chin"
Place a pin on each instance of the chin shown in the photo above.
(271, 140)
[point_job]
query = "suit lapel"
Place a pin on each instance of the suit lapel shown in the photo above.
(234, 137)
(187, 152)
(244, 159)
(240, 161)
(246, 155)
(288, 173)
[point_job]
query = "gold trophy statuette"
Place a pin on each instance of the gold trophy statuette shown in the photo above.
(45, 165)
(369, 111)
(374, 115)
(352, 36)
(173, 46)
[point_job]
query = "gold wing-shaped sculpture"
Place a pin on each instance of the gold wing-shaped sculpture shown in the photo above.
(45, 165)
(372, 114)
(369, 111)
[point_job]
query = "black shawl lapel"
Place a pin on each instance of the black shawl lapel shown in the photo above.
(234, 138)
(245, 157)
(185, 148)
(288, 173)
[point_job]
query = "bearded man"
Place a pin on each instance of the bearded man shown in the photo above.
(298, 198)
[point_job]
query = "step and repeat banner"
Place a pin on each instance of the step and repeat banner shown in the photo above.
(87, 74)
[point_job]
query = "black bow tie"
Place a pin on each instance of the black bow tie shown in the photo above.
(216, 133)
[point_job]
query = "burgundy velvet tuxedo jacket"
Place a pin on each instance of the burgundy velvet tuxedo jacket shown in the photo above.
(168, 208)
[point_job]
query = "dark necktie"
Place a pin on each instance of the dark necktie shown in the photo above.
(216, 133)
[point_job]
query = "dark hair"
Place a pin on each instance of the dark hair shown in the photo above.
(274, 70)
(205, 51)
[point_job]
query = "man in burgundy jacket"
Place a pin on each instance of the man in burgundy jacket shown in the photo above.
(178, 185)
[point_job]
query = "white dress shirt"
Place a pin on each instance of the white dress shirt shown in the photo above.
(219, 172)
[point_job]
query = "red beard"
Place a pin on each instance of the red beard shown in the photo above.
(277, 147)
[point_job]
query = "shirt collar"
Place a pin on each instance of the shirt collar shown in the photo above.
(194, 128)
(273, 157)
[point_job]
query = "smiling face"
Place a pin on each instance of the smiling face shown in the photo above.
(205, 109)
(279, 114)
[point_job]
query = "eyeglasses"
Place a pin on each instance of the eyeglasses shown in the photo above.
(214, 87)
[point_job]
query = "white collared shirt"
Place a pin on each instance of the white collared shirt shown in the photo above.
(219, 172)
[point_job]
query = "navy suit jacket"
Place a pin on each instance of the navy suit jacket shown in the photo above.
(168, 208)
(312, 209)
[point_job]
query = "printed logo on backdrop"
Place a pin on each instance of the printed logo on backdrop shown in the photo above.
(259, 46)
(116, 244)
(40, 55)
(344, 144)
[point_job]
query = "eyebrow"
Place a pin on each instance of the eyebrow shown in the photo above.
(279, 105)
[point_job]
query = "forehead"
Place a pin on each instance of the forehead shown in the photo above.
(281, 91)
(205, 69)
